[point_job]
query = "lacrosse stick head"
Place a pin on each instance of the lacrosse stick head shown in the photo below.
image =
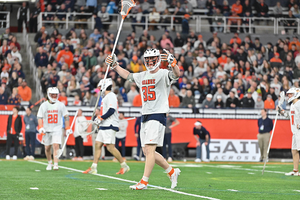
(86, 128)
(125, 7)
(58, 153)
(282, 97)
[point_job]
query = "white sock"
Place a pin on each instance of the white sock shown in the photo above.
(50, 162)
(145, 178)
(123, 164)
(94, 165)
(168, 170)
(56, 164)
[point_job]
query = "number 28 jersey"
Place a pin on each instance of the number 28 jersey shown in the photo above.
(295, 117)
(155, 89)
(52, 115)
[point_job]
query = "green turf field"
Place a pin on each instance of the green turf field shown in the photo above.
(197, 181)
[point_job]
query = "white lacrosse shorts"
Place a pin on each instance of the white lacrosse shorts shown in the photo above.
(152, 132)
(106, 136)
(52, 138)
(296, 142)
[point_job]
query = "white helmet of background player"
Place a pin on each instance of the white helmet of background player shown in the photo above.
(295, 92)
(52, 93)
(107, 83)
(153, 56)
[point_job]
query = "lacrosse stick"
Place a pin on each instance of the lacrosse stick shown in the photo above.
(126, 6)
(282, 96)
(60, 151)
(86, 128)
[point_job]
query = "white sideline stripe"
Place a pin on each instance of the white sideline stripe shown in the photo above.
(251, 173)
(232, 190)
(100, 189)
(297, 190)
(37, 170)
(34, 188)
(129, 181)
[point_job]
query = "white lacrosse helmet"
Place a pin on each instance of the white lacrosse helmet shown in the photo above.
(52, 90)
(107, 83)
(295, 92)
(152, 55)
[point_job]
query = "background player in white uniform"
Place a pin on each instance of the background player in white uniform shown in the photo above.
(121, 134)
(109, 125)
(79, 148)
(154, 87)
(294, 116)
(50, 124)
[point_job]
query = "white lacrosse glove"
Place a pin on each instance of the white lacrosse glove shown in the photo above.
(169, 57)
(111, 61)
(42, 130)
(69, 131)
(98, 120)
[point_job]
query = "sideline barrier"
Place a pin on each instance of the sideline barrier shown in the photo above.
(226, 129)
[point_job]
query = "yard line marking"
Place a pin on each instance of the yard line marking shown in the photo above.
(297, 190)
(232, 190)
(208, 172)
(34, 188)
(100, 189)
(250, 173)
(129, 181)
(37, 170)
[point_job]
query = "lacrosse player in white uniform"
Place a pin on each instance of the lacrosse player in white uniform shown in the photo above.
(154, 87)
(294, 116)
(50, 122)
(108, 120)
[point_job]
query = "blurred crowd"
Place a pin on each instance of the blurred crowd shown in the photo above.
(14, 87)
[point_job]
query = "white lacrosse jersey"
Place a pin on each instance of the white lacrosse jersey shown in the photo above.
(77, 122)
(122, 129)
(295, 117)
(52, 115)
(110, 101)
(155, 89)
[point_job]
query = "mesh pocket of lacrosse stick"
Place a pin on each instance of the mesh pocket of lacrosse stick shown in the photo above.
(87, 127)
(125, 7)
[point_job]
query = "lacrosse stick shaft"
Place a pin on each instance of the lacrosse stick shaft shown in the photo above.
(65, 143)
(132, 118)
(106, 72)
(270, 144)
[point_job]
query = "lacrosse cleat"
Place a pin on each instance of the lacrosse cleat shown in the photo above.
(174, 177)
(90, 170)
(142, 185)
(293, 173)
(123, 170)
(55, 167)
(7, 157)
(49, 167)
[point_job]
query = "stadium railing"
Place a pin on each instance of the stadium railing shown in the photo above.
(271, 24)
(38, 87)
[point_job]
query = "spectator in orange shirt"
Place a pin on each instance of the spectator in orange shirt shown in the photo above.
(269, 103)
(63, 98)
(222, 60)
(137, 101)
(237, 7)
(236, 39)
(25, 91)
(276, 61)
(174, 100)
(295, 41)
(234, 20)
(67, 54)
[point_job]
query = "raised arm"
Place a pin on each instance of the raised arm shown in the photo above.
(111, 61)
